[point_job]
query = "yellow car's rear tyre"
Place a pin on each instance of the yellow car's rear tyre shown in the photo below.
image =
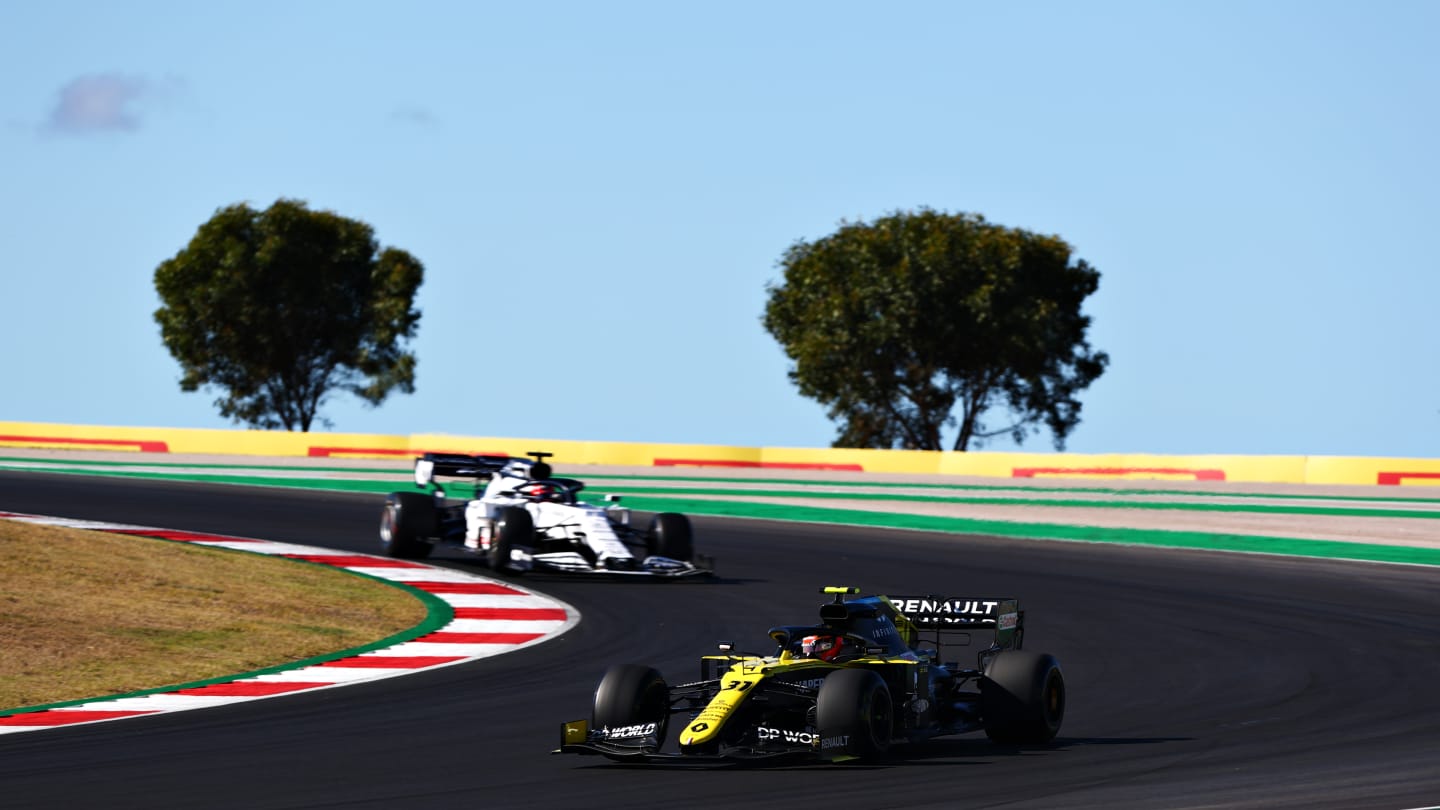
(1022, 698)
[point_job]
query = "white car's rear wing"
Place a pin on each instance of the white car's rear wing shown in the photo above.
(433, 465)
(430, 466)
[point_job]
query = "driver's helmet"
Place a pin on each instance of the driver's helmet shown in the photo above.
(824, 647)
(544, 492)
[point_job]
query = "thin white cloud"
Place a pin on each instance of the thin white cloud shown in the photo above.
(99, 102)
(418, 116)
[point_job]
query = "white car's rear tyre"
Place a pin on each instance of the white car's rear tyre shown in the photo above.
(406, 524)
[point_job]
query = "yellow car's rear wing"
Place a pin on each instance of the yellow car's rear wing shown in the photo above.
(962, 614)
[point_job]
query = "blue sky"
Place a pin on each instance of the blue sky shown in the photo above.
(601, 192)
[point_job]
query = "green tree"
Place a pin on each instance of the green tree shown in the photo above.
(278, 308)
(923, 320)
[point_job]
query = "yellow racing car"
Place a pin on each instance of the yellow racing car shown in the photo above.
(869, 675)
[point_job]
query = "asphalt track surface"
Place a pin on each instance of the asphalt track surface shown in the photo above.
(1196, 679)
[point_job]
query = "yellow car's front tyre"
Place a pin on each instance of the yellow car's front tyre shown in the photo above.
(631, 695)
(854, 715)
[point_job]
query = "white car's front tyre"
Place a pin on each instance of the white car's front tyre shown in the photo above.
(670, 536)
(513, 528)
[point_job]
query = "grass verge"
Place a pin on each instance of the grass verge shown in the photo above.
(86, 614)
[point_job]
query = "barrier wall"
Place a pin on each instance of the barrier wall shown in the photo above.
(1258, 469)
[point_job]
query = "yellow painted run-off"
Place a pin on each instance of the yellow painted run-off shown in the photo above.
(1108, 466)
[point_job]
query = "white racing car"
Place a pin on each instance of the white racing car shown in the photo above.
(521, 518)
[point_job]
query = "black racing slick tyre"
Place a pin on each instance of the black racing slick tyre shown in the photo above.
(670, 536)
(1022, 698)
(407, 523)
(514, 528)
(853, 714)
(632, 695)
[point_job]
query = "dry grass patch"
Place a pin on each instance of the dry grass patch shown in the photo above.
(85, 614)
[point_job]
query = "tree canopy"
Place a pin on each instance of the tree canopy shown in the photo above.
(921, 321)
(278, 308)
